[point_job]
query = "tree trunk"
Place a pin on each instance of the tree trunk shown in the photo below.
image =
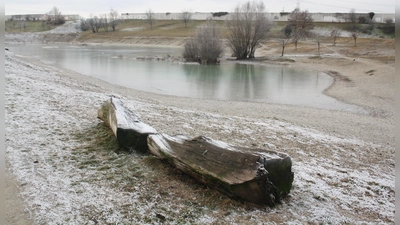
(126, 126)
(254, 175)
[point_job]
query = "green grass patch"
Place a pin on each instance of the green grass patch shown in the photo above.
(140, 28)
(16, 26)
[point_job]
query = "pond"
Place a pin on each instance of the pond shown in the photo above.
(228, 81)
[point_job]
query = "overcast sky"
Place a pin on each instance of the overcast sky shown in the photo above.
(95, 7)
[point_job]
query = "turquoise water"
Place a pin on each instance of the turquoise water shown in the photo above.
(228, 81)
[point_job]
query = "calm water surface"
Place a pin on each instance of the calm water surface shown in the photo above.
(228, 81)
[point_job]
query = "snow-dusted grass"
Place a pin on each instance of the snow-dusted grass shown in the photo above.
(72, 171)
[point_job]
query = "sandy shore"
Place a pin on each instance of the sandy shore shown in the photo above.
(343, 161)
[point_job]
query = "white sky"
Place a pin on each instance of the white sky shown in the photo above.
(95, 7)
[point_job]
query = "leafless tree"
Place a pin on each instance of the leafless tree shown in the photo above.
(84, 25)
(352, 17)
(186, 17)
(317, 39)
(55, 16)
(103, 22)
(247, 26)
(150, 17)
(302, 23)
(354, 35)
(95, 24)
(114, 19)
(91, 24)
(286, 34)
(335, 33)
(388, 27)
(206, 47)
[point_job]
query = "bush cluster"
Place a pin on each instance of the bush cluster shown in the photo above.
(205, 47)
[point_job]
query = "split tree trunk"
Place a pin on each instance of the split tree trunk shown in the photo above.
(126, 125)
(253, 175)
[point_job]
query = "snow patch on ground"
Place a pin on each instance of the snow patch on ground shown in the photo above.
(337, 179)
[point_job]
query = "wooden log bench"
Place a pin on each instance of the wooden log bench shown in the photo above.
(129, 130)
(254, 175)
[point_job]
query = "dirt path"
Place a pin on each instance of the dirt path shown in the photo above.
(14, 211)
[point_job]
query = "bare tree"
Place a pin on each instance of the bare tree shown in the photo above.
(186, 17)
(91, 24)
(150, 17)
(286, 35)
(206, 47)
(318, 39)
(114, 19)
(354, 35)
(103, 22)
(302, 23)
(352, 16)
(248, 26)
(335, 33)
(388, 27)
(84, 24)
(55, 16)
(94, 23)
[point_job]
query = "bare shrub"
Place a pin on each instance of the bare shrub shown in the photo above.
(206, 47)
(191, 51)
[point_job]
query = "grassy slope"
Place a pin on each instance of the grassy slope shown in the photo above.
(176, 28)
(140, 28)
(27, 26)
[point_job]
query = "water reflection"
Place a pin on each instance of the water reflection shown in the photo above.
(204, 81)
(228, 81)
(247, 83)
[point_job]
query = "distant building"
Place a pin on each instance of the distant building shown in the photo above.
(277, 16)
(34, 17)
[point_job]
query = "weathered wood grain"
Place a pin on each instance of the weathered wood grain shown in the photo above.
(254, 175)
(130, 131)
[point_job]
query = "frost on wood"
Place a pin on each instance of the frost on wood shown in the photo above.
(254, 175)
(126, 126)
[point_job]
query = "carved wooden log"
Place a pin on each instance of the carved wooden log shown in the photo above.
(254, 175)
(126, 126)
